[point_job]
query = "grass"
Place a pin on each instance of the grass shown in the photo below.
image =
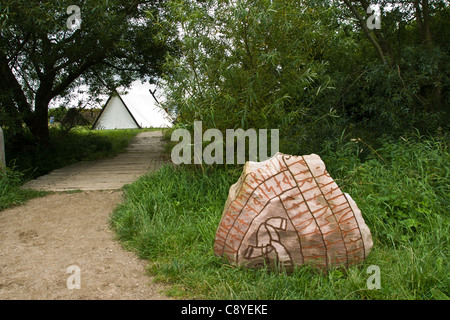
(170, 218)
(10, 192)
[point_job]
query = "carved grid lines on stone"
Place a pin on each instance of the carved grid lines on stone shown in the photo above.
(256, 194)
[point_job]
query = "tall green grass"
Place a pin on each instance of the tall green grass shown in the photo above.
(10, 192)
(170, 217)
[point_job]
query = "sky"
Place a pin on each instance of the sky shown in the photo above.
(136, 88)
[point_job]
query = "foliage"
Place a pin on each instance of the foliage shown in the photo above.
(58, 113)
(410, 90)
(405, 183)
(247, 64)
(310, 68)
(356, 97)
(41, 59)
(72, 119)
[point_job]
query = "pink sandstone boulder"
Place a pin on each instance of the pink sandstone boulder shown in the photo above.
(288, 211)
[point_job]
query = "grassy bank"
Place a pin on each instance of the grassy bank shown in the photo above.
(170, 218)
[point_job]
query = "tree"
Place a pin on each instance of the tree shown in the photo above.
(422, 16)
(117, 42)
(246, 64)
(411, 77)
(285, 64)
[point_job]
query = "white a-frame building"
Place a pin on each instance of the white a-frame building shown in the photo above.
(131, 111)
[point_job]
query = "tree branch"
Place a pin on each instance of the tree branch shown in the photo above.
(72, 76)
(426, 23)
(119, 68)
(9, 81)
(366, 30)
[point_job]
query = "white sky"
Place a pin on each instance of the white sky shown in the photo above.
(137, 88)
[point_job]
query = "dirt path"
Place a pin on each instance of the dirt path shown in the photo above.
(47, 237)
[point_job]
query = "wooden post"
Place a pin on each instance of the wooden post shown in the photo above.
(2, 150)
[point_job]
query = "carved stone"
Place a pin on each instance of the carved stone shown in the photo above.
(289, 211)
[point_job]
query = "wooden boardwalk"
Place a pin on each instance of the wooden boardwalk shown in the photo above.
(143, 155)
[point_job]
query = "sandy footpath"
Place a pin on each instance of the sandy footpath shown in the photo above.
(45, 238)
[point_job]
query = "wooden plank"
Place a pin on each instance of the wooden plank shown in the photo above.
(2, 150)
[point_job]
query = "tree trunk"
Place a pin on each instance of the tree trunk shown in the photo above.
(426, 24)
(423, 21)
(39, 126)
(383, 43)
